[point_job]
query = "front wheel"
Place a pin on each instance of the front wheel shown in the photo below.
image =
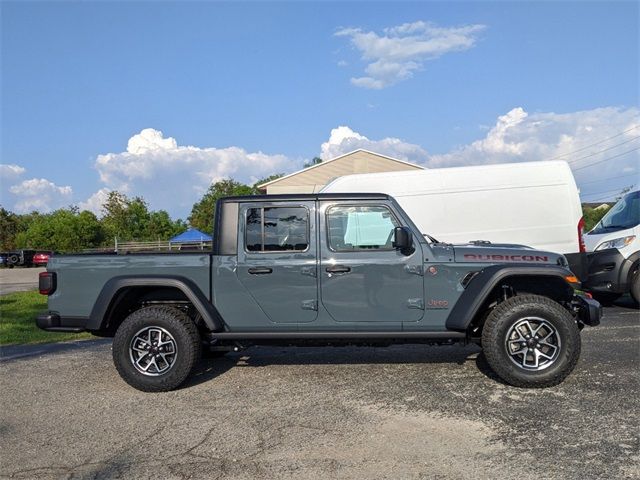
(531, 341)
(156, 348)
(635, 286)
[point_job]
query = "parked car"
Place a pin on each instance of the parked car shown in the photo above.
(3, 259)
(614, 264)
(20, 258)
(531, 203)
(40, 259)
(321, 268)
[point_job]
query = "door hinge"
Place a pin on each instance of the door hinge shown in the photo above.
(415, 269)
(416, 303)
(310, 305)
(310, 271)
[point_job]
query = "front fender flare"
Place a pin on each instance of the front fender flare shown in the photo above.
(479, 288)
(105, 300)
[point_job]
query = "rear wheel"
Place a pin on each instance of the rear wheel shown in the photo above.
(156, 348)
(531, 341)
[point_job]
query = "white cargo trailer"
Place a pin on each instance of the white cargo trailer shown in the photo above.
(533, 203)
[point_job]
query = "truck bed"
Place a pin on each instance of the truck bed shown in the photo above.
(82, 276)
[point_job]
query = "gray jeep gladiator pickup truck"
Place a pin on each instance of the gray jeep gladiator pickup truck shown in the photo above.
(321, 269)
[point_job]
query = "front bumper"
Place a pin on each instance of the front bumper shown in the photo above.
(608, 272)
(53, 322)
(589, 310)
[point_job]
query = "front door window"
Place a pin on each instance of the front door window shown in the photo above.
(360, 228)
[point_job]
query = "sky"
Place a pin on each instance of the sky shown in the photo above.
(160, 99)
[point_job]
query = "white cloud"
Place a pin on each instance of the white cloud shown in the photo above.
(400, 51)
(520, 136)
(586, 139)
(94, 202)
(581, 138)
(40, 194)
(173, 177)
(11, 172)
(344, 140)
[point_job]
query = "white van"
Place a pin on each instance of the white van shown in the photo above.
(533, 203)
(615, 242)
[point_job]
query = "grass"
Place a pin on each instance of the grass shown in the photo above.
(18, 313)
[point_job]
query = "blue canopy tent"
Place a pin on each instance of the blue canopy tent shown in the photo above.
(191, 238)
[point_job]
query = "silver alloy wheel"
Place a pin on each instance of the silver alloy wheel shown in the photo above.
(153, 351)
(533, 343)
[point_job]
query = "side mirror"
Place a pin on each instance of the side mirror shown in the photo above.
(402, 239)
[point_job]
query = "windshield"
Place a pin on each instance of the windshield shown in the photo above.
(624, 214)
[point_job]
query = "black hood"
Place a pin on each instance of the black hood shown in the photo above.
(495, 253)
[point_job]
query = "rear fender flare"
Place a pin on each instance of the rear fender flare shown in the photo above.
(479, 288)
(107, 298)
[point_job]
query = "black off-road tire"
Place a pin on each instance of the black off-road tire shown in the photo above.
(509, 313)
(635, 286)
(184, 333)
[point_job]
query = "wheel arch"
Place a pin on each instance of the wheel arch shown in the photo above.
(633, 263)
(120, 293)
(486, 287)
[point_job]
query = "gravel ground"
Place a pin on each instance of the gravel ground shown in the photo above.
(19, 279)
(389, 413)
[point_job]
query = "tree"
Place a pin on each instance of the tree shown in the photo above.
(9, 228)
(592, 216)
(114, 215)
(64, 230)
(270, 178)
(203, 211)
(312, 162)
(124, 218)
(161, 227)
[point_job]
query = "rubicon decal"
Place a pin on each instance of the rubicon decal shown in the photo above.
(505, 258)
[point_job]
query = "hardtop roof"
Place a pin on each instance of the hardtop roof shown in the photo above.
(301, 197)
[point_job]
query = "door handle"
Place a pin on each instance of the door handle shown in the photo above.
(338, 269)
(260, 270)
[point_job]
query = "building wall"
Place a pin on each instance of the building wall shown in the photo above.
(313, 179)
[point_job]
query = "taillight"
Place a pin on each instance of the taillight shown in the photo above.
(47, 283)
(583, 247)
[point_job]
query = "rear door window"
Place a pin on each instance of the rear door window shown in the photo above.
(277, 229)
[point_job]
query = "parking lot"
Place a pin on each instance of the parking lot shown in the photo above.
(347, 412)
(18, 279)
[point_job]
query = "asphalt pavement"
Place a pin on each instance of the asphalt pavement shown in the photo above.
(334, 412)
(19, 279)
